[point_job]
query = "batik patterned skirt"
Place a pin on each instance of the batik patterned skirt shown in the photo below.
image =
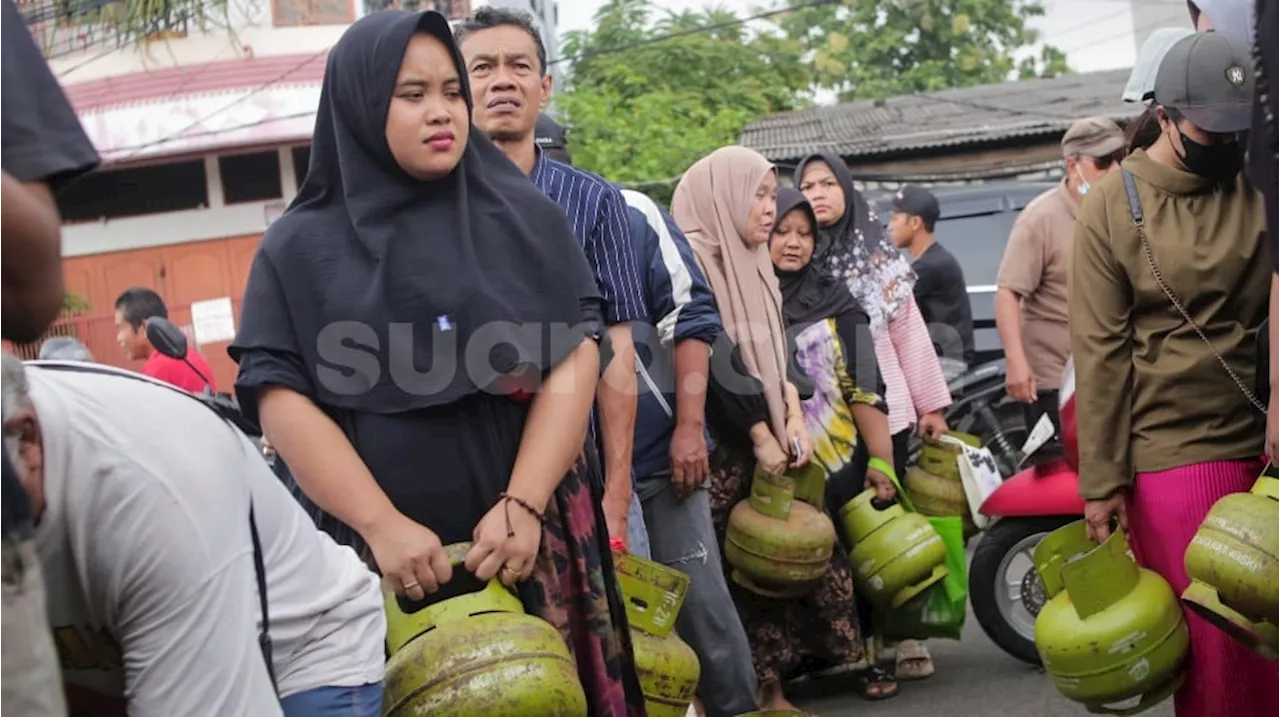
(785, 634)
(573, 586)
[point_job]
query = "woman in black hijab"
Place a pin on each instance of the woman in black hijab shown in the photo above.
(417, 340)
(845, 416)
(853, 248)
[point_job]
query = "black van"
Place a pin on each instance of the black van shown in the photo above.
(975, 224)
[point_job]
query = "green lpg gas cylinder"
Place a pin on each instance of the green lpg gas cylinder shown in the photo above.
(1232, 565)
(940, 497)
(896, 554)
(472, 651)
(940, 457)
(779, 546)
(1112, 634)
(667, 668)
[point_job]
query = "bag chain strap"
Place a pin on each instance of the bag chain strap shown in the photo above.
(1155, 270)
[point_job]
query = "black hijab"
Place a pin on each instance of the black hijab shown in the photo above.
(808, 295)
(365, 254)
(856, 250)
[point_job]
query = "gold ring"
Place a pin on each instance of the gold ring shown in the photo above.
(514, 575)
(412, 585)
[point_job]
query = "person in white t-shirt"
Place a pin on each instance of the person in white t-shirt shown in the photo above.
(142, 497)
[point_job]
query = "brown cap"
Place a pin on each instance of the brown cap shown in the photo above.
(1092, 137)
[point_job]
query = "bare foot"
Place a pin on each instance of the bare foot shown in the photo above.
(773, 698)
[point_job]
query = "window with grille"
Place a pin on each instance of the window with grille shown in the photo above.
(135, 191)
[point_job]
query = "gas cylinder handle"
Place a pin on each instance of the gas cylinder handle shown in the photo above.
(462, 582)
(457, 552)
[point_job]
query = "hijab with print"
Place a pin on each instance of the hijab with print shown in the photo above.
(808, 295)
(856, 250)
(711, 205)
(371, 276)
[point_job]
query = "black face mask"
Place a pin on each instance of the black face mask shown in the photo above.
(1214, 162)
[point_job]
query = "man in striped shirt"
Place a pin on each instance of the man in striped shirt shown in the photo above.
(507, 65)
(671, 463)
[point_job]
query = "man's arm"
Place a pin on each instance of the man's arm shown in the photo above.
(31, 262)
(183, 609)
(617, 397)
(1019, 276)
(609, 252)
(686, 314)
(42, 146)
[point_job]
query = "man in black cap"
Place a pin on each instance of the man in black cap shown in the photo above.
(550, 137)
(940, 288)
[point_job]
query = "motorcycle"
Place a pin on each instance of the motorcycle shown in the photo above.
(169, 340)
(1004, 590)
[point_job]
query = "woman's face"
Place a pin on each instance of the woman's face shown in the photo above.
(820, 186)
(427, 122)
(764, 207)
(791, 246)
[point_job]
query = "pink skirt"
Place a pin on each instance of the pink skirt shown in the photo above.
(1165, 509)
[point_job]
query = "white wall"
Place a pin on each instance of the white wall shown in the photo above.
(243, 30)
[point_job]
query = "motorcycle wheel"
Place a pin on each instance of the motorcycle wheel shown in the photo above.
(1004, 589)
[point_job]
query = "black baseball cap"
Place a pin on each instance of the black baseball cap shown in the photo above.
(547, 133)
(917, 202)
(1208, 77)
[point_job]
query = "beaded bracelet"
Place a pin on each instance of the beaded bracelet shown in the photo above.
(508, 499)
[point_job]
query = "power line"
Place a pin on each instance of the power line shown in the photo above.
(693, 31)
(216, 132)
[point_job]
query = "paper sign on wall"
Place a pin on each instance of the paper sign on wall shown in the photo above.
(213, 320)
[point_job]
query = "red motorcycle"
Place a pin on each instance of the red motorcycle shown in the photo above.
(1004, 589)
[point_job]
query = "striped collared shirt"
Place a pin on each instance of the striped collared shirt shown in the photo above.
(599, 217)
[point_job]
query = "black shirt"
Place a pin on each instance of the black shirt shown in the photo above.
(944, 301)
(1263, 165)
(40, 140)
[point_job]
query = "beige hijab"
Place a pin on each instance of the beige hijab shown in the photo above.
(711, 205)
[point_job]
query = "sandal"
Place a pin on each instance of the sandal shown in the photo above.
(867, 679)
(912, 661)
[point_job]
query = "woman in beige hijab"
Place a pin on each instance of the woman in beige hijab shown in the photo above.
(726, 205)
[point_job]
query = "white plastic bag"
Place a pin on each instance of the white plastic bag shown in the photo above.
(979, 474)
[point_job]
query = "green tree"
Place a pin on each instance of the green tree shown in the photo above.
(648, 98)
(863, 49)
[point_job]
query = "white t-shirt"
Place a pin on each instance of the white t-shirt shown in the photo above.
(149, 561)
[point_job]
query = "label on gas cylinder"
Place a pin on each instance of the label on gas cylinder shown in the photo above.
(1127, 643)
(1249, 562)
(1139, 670)
(921, 532)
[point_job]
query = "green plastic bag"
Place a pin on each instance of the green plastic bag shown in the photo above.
(939, 611)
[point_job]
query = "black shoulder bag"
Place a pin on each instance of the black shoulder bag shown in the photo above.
(1135, 211)
(259, 565)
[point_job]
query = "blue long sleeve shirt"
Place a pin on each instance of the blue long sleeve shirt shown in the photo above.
(681, 307)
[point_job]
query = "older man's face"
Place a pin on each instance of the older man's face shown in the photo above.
(25, 449)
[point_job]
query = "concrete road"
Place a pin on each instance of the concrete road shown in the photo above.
(974, 677)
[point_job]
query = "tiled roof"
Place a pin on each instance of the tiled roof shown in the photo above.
(947, 118)
(247, 73)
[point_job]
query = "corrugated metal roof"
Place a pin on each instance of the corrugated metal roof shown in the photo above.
(207, 77)
(948, 118)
